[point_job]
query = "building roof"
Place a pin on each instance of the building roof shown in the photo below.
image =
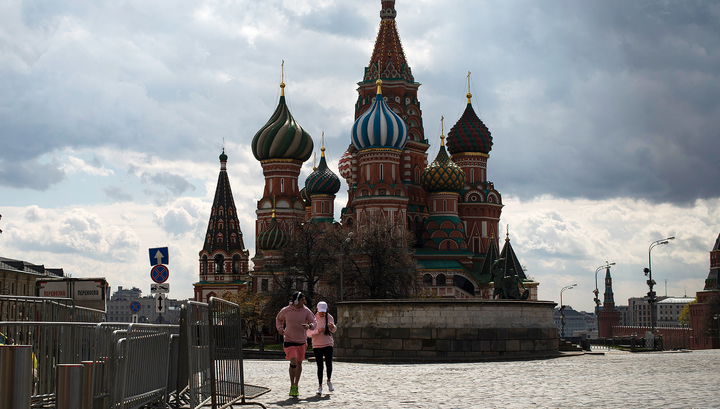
(388, 58)
(677, 300)
(10, 264)
(224, 220)
(511, 261)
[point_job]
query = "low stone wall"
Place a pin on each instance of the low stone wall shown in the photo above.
(445, 330)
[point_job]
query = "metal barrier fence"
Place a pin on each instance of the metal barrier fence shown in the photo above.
(215, 356)
(127, 366)
(21, 308)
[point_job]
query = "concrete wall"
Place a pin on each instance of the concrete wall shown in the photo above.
(445, 330)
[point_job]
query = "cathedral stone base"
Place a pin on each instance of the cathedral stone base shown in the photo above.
(445, 330)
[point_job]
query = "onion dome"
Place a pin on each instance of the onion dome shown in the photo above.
(282, 137)
(443, 174)
(305, 198)
(469, 133)
(345, 165)
(322, 180)
(379, 126)
(272, 238)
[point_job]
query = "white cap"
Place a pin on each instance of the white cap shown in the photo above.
(322, 306)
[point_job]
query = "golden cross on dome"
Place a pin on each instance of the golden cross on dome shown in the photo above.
(469, 95)
(322, 149)
(442, 130)
(282, 78)
(314, 160)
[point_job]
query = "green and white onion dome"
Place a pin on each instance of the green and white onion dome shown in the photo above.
(272, 238)
(282, 137)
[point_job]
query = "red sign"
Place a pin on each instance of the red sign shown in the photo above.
(159, 273)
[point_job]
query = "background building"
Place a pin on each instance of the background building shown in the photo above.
(118, 307)
(18, 277)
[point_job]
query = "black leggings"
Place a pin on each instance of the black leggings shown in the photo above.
(320, 354)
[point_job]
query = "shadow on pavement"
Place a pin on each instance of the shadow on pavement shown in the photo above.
(295, 401)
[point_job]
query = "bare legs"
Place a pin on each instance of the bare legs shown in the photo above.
(295, 371)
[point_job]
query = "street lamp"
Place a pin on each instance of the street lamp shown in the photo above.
(342, 265)
(562, 309)
(597, 293)
(650, 282)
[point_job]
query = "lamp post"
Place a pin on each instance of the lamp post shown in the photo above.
(650, 282)
(342, 266)
(597, 293)
(562, 310)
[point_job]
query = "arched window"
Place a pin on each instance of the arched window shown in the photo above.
(204, 265)
(322, 207)
(236, 264)
(444, 205)
(427, 280)
(219, 264)
(282, 185)
(382, 174)
(219, 238)
(232, 224)
(440, 280)
(220, 224)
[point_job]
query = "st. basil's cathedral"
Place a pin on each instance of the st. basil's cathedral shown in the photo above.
(449, 205)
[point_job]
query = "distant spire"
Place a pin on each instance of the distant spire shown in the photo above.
(507, 232)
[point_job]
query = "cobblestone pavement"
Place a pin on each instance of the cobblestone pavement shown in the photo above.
(613, 380)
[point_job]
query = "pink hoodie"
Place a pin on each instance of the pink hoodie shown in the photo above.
(293, 319)
(321, 340)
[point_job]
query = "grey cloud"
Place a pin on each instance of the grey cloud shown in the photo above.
(175, 183)
(30, 174)
(118, 194)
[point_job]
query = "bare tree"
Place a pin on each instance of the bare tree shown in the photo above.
(380, 263)
(311, 255)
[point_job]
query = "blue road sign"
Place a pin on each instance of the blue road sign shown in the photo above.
(159, 273)
(135, 307)
(159, 255)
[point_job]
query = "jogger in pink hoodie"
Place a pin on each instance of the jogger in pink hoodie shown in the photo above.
(322, 340)
(292, 322)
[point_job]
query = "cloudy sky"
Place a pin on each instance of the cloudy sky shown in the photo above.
(605, 117)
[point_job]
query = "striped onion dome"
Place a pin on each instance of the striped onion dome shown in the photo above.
(469, 133)
(379, 126)
(322, 180)
(272, 238)
(282, 137)
(345, 165)
(305, 198)
(443, 174)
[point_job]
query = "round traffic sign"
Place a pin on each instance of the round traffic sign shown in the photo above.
(135, 307)
(159, 273)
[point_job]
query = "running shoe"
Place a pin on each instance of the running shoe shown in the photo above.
(330, 387)
(319, 392)
(294, 391)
